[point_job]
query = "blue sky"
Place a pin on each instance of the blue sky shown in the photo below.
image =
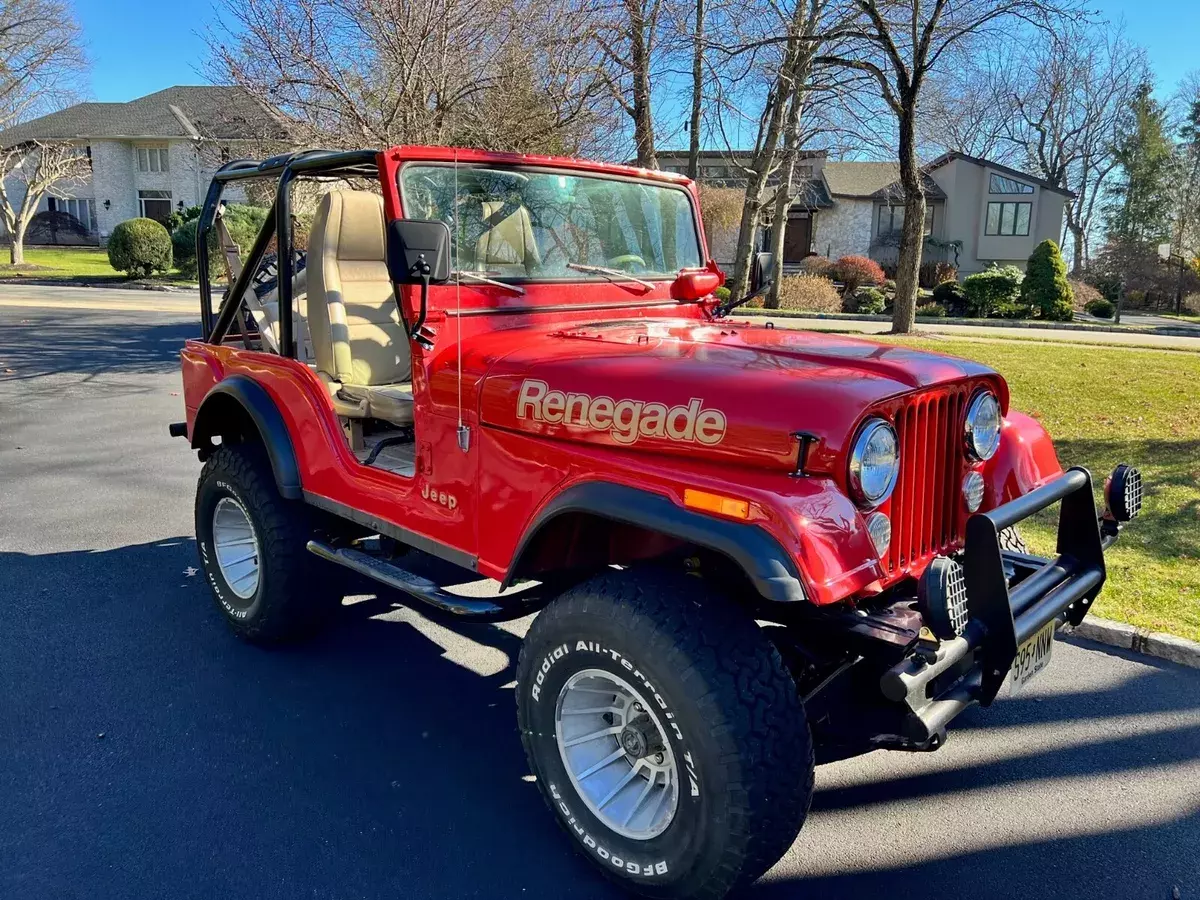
(140, 46)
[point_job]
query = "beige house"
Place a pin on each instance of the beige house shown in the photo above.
(978, 212)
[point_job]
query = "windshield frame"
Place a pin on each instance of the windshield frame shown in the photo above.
(580, 277)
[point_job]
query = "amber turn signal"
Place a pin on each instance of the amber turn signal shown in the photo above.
(715, 503)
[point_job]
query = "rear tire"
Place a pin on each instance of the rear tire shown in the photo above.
(726, 712)
(252, 545)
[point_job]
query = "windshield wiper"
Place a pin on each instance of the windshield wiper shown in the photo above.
(485, 280)
(613, 274)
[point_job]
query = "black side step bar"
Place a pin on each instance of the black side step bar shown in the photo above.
(462, 608)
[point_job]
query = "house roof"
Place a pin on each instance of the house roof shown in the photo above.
(1015, 173)
(203, 111)
(872, 181)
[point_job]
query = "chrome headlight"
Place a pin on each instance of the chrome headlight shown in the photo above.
(874, 462)
(983, 425)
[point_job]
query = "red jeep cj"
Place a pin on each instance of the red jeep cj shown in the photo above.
(752, 548)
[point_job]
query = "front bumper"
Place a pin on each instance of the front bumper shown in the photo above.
(1005, 608)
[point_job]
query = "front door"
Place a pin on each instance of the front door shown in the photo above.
(797, 240)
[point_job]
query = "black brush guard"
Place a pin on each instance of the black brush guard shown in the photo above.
(938, 683)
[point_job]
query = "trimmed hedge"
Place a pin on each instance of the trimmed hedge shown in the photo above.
(139, 247)
(856, 271)
(1101, 308)
(992, 288)
(244, 224)
(1045, 289)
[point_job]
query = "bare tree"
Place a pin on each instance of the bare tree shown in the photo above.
(503, 74)
(697, 91)
(28, 172)
(628, 34)
(784, 50)
(40, 68)
(899, 43)
(1072, 96)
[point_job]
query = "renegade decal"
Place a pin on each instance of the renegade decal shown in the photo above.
(625, 420)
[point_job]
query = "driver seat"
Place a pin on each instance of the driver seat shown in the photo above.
(360, 344)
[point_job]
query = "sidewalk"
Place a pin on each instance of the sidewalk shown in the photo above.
(137, 300)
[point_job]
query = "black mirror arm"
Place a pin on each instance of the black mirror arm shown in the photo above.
(422, 270)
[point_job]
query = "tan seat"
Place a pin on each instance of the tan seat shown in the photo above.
(360, 344)
(508, 245)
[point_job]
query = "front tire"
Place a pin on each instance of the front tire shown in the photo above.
(688, 687)
(252, 545)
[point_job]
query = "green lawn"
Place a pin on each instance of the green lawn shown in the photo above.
(1108, 405)
(88, 264)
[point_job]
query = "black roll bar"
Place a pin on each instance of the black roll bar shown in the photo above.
(286, 167)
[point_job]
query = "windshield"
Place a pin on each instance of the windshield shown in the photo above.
(530, 224)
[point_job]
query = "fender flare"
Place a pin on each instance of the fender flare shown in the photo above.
(257, 404)
(760, 556)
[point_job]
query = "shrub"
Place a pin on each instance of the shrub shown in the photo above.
(1083, 293)
(722, 294)
(809, 292)
(856, 271)
(244, 224)
(931, 310)
(1109, 286)
(889, 285)
(986, 290)
(177, 219)
(869, 301)
(1011, 309)
(1134, 299)
(931, 274)
(1045, 289)
(951, 297)
(1101, 308)
(817, 265)
(139, 247)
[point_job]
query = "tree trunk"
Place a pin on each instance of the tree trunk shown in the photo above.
(904, 309)
(751, 220)
(1077, 250)
(16, 253)
(697, 93)
(783, 203)
(643, 120)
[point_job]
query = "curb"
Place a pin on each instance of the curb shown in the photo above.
(119, 286)
(1139, 640)
(1143, 330)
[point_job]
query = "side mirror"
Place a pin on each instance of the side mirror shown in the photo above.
(418, 252)
(694, 284)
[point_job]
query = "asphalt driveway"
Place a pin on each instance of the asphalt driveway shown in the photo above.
(146, 753)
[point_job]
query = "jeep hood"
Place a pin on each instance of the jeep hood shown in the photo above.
(732, 392)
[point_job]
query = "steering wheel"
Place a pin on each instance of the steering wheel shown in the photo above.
(627, 259)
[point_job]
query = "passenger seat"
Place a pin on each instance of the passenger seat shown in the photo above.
(361, 345)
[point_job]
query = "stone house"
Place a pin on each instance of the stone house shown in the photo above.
(978, 212)
(148, 157)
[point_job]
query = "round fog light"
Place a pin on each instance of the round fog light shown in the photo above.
(942, 598)
(973, 491)
(879, 527)
(1124, 493)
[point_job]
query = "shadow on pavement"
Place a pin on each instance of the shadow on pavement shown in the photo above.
(369, 763)
(38, 344)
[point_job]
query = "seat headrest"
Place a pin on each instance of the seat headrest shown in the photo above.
(352, 225)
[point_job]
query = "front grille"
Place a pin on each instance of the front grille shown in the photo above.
(925, 507)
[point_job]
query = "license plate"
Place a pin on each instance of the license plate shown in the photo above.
(1032, 657)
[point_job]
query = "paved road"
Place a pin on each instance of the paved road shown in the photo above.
(382, 760)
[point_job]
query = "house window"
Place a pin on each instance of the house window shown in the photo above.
(153, 159)
(1001, 185)
(929, 220)
(155, 205)
(804, 171)
(891, 218)
(80, 208)
(1008, 218)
